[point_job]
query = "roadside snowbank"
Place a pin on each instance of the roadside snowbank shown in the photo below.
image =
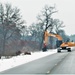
(22, 59)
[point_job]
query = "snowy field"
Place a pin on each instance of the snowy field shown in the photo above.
(22, 59)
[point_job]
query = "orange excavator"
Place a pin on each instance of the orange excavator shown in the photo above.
(61, 45)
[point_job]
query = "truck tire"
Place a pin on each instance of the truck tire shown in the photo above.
(69, 49)
(58, 50)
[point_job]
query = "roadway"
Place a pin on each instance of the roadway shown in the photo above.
(58, 63)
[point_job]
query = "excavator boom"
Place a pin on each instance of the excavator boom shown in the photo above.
(46, 35)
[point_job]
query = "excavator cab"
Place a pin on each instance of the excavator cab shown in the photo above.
(58, 43)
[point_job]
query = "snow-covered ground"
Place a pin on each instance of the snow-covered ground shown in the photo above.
(22, 59)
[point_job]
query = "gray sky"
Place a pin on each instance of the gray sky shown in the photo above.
(31, 8)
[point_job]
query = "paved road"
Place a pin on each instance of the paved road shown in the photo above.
(58, 63)
(67, 66)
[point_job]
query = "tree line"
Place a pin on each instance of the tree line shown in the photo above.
(14, 33)
(45, 21)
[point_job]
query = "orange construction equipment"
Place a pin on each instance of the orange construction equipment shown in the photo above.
(62, 45)
(46, 35)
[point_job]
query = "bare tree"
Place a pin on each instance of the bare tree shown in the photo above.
(64, 36)
(24, 32)
(36, 32)
(45, 19)
(58, 25)
(11, 23)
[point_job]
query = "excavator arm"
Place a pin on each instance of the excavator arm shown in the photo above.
(46, 35)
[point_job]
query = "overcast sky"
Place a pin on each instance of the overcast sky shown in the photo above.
(30, 9)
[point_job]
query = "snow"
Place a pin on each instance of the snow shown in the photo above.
(22, 59)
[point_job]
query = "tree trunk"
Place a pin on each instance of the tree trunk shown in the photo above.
(3, 49)
(41, 44)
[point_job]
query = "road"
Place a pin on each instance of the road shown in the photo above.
(58, 63)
